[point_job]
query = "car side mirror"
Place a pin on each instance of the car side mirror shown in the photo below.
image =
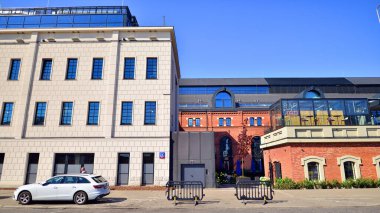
(45, 184)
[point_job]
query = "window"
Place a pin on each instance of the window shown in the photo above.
(148, 169)
(83, 180)
(39, 116)
(14, 69)
(190, 122)
(150, 113)
(221, 121)
(313, 168)
(126, 113)
(70, 180)
(312, 94)
(72, 163)
(31, 173)
(228, 121)
(251, 121)
(349, 170)
(223, 99)
(6, 116)
(259, 121)
(66, 113)
(55, 180)
(277, 168)
(93, 113)
(97, 69)
(197, 122)
(226, 155)
(123, 169)
(349, 167)
(151, 68)
(71, 72)
(46, 69)
(2, 155)
(129, 68)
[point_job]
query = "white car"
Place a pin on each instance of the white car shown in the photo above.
(79, 188)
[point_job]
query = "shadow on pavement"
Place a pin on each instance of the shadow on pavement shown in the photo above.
(268, 202)
(91, 202)
(4, 197)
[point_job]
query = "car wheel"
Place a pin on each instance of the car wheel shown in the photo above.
(80, 198)
(25, 198)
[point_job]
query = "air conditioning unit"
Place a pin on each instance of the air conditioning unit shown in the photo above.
(75, 39)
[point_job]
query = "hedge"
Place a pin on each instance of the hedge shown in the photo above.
(288, 183)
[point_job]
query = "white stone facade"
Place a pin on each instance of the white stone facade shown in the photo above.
(108, 138)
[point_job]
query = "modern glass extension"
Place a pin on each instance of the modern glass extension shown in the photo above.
(321, 112)
(66, 17)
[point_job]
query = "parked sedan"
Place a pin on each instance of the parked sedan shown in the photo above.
(79, 188)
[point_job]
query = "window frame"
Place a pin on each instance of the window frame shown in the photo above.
(357, 163)
(251, 121)
(68, 67)
(71, 115)
(147, 66)
(11, 69)
(93, 67)
(43, 68)
(88, 114)
(125, 67)
(121, 114)
(145, 114)
(3, 113)
(35, 113)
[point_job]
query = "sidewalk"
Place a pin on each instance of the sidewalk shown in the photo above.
(218, 198)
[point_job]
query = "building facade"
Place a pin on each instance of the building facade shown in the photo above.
(314, 128)
(86, 87)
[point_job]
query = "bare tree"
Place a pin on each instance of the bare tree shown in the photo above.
(244, 144)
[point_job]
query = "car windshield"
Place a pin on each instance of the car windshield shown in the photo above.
(99, 179)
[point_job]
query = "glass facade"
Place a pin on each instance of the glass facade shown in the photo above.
(93, 113)
(6, 116)
(151, 68)
(129, 68)
(14, 69)
(71, 72)
(207, 90)
(66, 17)
(72, 163)
(150, 113)
(320, 112)
(126, 113)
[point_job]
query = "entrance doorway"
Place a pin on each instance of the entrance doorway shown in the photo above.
(148, 169)
(31, 173)
(193, 172)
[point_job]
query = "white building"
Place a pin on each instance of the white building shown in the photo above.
(99, 97)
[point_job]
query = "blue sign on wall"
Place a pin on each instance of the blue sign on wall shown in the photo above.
(162, 155)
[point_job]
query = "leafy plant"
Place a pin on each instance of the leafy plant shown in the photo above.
(335, 184)
(307, 184)
(286, 183)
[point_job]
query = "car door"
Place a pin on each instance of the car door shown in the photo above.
(49, 190)
(67, 188)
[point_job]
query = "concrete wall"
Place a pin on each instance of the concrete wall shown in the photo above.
(195, 148)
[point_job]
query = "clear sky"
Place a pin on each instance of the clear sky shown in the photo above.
(261, 38)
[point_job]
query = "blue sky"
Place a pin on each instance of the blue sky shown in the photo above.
(261, 38)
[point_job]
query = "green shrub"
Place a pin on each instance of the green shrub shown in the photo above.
(335, 184)
(323, 185)
(364, 183)
(307, 184)
(377, 182)
(348, 184)
(286, 183)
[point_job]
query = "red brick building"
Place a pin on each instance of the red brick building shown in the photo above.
(313, 128)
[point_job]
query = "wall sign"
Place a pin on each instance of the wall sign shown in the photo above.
(162, 155)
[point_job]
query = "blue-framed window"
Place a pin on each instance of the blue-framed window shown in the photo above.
(151, 68)
(150, 113)
(259, 121)
(223, 99)
(126, 113)
(129, 68)
(40, 113)
(190, 122)
(46, 69)
(67, 113)
(228, 121)
(221, 121)
(71, 72)
(251, 121)
(97, 69)
(6, 117)
(197, 122)
(93, 113)
(14, 69)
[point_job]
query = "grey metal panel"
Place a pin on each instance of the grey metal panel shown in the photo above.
(221, 81)
(365, 81)
(194, 146)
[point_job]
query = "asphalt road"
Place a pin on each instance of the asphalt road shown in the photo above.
(374, 209)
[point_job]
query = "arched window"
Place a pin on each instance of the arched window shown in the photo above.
(223, 99)
(251, 121)
(349, 170)
(259, 121)
(313, 170)
(349, 167)
(226, 155)
(228, 121)
(312, 94)
(376, 162)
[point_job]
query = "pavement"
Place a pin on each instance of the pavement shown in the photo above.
(214, 199)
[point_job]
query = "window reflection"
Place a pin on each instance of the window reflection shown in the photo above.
(290, 112)
(321, 113)
(306, 112)
(336, 108)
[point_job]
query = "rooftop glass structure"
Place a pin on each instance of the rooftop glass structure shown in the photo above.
(66, 17)
(322, 112)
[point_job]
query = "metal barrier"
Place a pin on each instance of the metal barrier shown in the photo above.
(184, 190)
(254, 190)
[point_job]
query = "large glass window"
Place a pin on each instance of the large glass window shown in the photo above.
(290, 111)
(14, 69)
(72, 163)
(150, 113)
(67, 113)
(126, 113)
(337, 113)
(46, 69)
(307, 113)
(39, 115)
(71, 72)
(349, 170)
(204, 90)
(226, 161)
(6, 116)
(151, 68)
(321, 113)
(31, 173)
(356, 111)
(97, 69)
(312, 94)
(129, 68)
(93, 113)
(223, 99)
(313, 169)
(123, 169)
